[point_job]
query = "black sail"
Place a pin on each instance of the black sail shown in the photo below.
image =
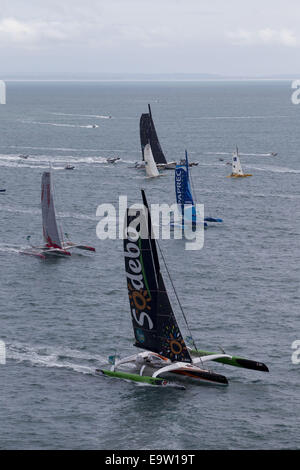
(148, 135)
(154, 324)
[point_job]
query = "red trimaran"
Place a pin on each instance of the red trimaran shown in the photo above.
(55, 245)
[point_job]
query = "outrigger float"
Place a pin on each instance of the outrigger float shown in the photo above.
(165, 355)
(55, 244)
(232, 360)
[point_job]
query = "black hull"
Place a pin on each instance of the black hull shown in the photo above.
(203, 376)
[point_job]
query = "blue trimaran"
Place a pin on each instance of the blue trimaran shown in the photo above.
(184, 197)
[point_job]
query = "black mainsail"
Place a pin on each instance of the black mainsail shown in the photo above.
(148, 135)
(154, 324)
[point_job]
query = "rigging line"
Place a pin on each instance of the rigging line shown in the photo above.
(58, 218)
(181, 308)
(192, 181)
(194, 192)
(117, 346)
(121, 323)
(193, 187)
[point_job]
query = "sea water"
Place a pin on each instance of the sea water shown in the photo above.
(61, 318)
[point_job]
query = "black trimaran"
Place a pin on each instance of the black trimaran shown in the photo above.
(155, 327)
(148, 135)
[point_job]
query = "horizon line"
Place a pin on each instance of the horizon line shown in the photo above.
(95, 80)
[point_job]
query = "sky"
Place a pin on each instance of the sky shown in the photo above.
(96, 37)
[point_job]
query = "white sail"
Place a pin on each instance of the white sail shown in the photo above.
(150, 165)
(236, 164)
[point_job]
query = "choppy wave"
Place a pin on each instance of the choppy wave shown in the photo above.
(277, 116)
(16, 209)
(24, 210)
(58, 357)
(75, 215)
(273, 169)
(10, 248)
(97, 116)
(42, 161)
(248, 194)
(269, 154)
(67, 149)
(88, 126)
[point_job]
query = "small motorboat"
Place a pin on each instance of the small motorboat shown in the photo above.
(112, 159)
(166, 166)
(2, 190)
(24, 157)
(139, 165)
(69, 167)
(182, 162)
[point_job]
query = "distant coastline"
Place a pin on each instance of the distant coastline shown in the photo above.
(143, 78)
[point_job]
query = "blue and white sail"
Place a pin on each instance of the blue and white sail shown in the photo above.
(184, 197)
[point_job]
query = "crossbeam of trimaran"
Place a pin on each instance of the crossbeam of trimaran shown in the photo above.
(164, 354)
